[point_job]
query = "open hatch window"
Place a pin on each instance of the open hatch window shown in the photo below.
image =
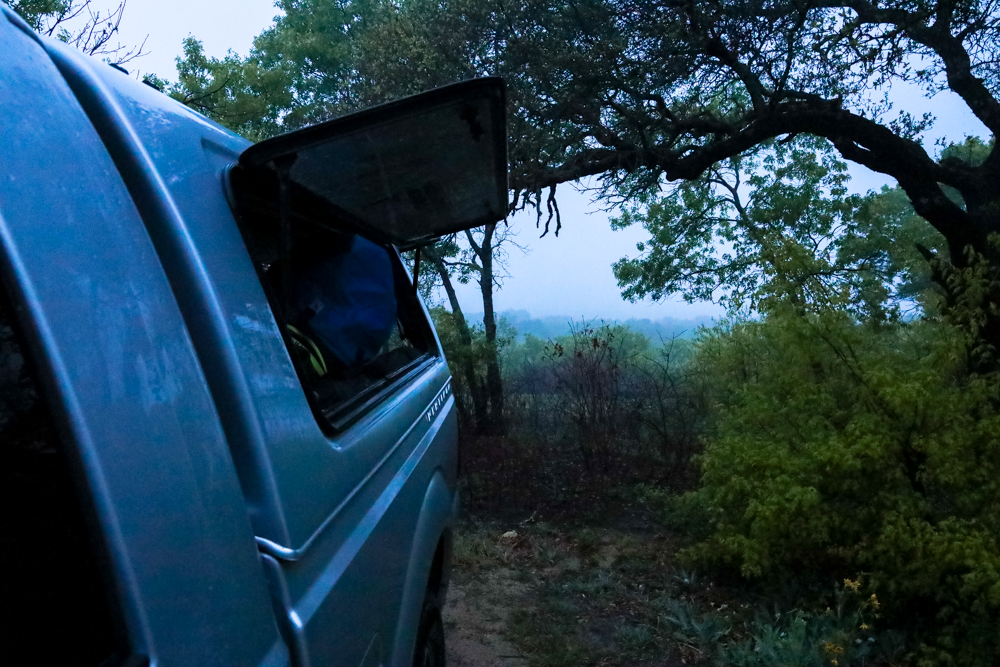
(404, 173)
(323, 210)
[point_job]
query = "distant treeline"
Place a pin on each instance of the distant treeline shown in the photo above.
(554, 326)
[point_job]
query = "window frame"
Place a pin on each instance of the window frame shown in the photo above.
(336, 418)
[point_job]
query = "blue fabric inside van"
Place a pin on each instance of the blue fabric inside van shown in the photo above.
(353, 298)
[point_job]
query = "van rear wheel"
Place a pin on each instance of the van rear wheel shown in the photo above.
(430, 637)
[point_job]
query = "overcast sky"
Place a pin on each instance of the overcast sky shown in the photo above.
(569, 275)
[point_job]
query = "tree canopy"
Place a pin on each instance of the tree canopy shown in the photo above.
(780, 224)
(642, 90)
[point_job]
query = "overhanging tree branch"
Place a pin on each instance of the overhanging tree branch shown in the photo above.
(938, 38)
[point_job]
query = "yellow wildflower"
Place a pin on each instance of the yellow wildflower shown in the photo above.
(874, 601)
(833, 648)
(852, 584)
(864, 626)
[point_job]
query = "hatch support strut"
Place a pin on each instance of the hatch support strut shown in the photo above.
(416, 271)
(283, 167)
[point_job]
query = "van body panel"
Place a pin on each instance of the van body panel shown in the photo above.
(121, 372)
(196, 444)
(349, 585)
(433, 528)
(195, 291)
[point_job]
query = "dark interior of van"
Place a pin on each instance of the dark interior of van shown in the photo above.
(345, 304)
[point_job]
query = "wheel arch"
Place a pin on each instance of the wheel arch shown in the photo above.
(429, 564)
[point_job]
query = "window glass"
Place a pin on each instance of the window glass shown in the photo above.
(351, 319)
(57, 611)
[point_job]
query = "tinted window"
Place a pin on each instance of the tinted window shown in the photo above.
(56, 610)
(351, 320)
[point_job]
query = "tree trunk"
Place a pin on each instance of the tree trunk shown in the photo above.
(476, 391)
(494, 383)
(971, 287)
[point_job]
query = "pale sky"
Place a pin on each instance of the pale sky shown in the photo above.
(569, 275)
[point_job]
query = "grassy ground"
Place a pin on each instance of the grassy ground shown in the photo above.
(605, 589)
(566, 565)
(581, 595)
(572, 563)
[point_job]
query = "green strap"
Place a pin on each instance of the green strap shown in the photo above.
(309, 347)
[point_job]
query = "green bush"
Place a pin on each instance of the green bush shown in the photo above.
(841, 447)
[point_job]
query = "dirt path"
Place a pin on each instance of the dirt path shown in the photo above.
(475, 625)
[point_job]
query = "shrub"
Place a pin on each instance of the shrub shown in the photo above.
(843, 636)
(603, 394)
(841, 447)
(846, 634)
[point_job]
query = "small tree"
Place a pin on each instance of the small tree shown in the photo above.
(481, 258)
(598, 391)
(77, 23)
(674, 409)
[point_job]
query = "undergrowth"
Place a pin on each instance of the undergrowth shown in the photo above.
(601, 596)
